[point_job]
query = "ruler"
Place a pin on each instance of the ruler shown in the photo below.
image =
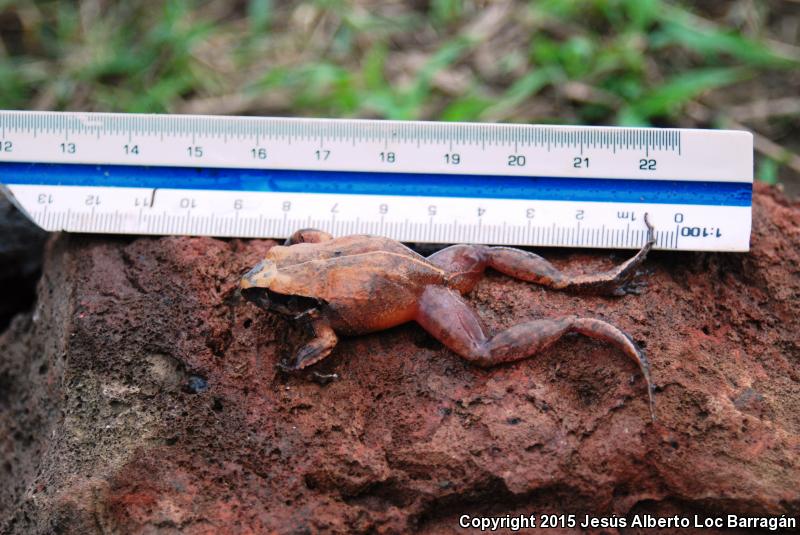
(413, 181)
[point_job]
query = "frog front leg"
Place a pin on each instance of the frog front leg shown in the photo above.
(323, 341)
(448, 318)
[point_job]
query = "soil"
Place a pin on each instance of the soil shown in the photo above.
(141, 396)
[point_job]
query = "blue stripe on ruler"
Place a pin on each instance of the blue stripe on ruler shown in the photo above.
(369, 183)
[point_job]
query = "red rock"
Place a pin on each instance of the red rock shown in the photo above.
(101, 430)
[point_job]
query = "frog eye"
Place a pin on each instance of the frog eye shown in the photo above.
(260, 276)
(250, 275)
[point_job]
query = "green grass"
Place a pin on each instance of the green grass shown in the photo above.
(629, 62)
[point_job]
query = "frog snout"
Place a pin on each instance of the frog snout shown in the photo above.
(260, 276)
(255, 282)
(251, 278)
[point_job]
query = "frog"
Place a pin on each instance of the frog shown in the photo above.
(358, 284)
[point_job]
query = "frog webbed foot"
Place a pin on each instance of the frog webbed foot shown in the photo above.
(634, 286)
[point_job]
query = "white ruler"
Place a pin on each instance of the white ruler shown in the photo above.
(413, 181)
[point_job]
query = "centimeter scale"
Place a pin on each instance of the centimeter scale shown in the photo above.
(413, 181)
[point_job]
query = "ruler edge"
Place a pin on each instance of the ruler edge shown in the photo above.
(381, 122)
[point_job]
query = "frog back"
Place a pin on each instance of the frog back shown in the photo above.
(363, 292)
(336, 248)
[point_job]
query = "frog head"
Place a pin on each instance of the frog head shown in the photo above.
(271, 289)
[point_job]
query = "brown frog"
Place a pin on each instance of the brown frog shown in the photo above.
(359, 284)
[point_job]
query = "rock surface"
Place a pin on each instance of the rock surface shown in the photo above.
(141, 396)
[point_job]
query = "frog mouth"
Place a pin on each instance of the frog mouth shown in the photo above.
(291, 305)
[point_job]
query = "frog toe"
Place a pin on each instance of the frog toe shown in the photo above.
(632, 287)
(324, 378)
(286, 368)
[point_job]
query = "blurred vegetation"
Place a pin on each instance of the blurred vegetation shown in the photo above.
(729, 64)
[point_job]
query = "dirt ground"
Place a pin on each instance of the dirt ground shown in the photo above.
(141, 396)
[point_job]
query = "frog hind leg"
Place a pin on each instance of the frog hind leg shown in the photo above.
(308, 235)
(448, 318)
(465, 265)
(323, 341)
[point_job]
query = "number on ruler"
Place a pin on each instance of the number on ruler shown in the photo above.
(696, 232)
(68, 148)
(131, 149)
(195, 151)
(6, 146)
(259, 153)
(322, 155)
(647, 164)
(388, 157)
(516, 160)
(452, 158)
(578, 162)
